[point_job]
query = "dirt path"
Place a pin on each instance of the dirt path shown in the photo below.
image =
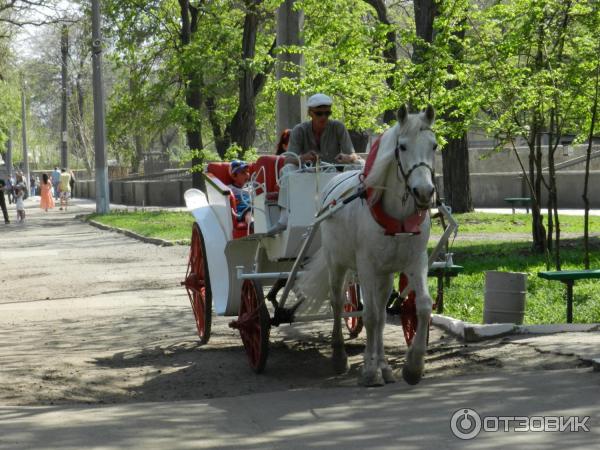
(90, 316)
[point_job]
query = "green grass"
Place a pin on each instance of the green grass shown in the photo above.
(463, 299)
(170, 226)
(521, 223)
(545, 302)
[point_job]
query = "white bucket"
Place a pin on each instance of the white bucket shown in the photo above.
(504, 297)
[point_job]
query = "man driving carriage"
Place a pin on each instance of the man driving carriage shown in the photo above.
(317, 139)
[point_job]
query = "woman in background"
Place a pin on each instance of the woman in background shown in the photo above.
(46, 200)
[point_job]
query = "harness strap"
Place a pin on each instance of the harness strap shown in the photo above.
(391, 225)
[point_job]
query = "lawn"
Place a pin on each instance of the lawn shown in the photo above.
(464, 297)
(170, 226)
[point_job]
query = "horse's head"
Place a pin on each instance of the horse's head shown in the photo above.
(414, 152)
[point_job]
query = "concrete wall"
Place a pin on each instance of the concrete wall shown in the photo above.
(489, 190)
(487, 160)
(139, 193)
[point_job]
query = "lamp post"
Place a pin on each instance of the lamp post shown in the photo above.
(102, 194)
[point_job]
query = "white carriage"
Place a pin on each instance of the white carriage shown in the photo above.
(229, 265)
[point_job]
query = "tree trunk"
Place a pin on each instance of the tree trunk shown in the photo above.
(455, 155)
(390, 53)
(586, 201)
(425, 12)
(242, 128)
(193, 95)
(457, 186)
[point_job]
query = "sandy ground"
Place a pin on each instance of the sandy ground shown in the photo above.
(91, 316)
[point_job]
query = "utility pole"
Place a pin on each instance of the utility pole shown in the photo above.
(64, 50)
(24, 137)
(102, 195)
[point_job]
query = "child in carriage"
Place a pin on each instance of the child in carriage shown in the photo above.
(240, 175)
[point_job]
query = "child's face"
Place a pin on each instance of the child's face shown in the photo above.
(241, 177)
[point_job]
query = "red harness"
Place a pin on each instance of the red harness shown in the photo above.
(392, 226)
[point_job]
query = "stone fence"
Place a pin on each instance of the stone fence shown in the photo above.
(139, 193)
(487, 189)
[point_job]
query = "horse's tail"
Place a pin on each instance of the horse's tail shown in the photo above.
(313, 283)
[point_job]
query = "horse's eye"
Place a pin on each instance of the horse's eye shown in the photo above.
(435, 147)
(403, 147)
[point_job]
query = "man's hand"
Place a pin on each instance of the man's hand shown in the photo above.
(310, 156)
(344, 158)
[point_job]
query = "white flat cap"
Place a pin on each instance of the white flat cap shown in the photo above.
(319, 100)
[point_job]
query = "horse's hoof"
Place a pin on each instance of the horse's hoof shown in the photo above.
(388, 375)
(411, 377)
(340, 364)
(372, 379)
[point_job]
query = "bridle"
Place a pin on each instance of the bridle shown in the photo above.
(406, 175)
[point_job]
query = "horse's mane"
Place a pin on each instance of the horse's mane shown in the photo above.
(385, 156)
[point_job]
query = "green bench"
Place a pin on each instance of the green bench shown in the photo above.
(568, 277)
(518, 201)
(442, 273)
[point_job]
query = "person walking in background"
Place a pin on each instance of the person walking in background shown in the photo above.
(72, 183)
(64, 188)
(19, 195)
(10, 189)
(55, 175)
(284, 141)
(3, 201)
(32, 185)
(46, 200)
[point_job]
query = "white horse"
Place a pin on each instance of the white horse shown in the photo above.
(400, 185)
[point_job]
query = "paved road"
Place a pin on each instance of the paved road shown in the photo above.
(92, 322)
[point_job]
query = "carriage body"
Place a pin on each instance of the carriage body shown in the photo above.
(229, 248)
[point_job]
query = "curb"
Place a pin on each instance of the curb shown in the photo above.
(129, 233)
(471, 332)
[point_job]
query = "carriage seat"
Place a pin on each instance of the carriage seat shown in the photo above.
(266, 172)
(220, 171)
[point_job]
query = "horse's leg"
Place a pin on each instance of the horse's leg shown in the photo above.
(376, 289)
(413, 368)
(336, 281)
(386, 284)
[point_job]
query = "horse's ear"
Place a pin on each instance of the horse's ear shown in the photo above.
(429, 114)
(402, 114)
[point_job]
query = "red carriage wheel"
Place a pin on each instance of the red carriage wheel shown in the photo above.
(408, 312)
(197, 284)
(353, 303)
(254, 324)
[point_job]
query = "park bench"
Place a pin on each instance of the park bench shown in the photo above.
(568, 277)
(518, 201)
(443, 273)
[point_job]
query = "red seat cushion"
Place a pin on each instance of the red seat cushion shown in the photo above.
(221, 171)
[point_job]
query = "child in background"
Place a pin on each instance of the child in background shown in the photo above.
(240, 175)
(19, 194)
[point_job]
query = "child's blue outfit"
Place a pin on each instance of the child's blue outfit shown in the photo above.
(242, 198)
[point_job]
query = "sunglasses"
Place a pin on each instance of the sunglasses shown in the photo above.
(322, 113)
